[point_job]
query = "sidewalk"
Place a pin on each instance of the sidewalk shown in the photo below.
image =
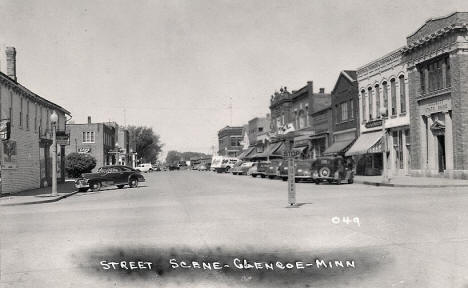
(36, 196)
(409, 181)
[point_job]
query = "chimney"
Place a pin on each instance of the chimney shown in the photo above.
(310, 87)
(11, 62)
(322, 90)
(89, 119)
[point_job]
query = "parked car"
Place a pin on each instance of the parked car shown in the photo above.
(145, 167)
(252, 169)
(203, 167)
(237, 168)
(303, 170)
(174, 167)
(332, 169)
(244, 168)
(108, 176)
(157, 167)
(272, 170)
(261, 169)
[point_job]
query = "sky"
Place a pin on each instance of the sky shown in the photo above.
(177, 66)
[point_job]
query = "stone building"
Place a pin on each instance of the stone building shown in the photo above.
(229, 139)
(383, 83)
(437, 57)
(345, 113)
(26, 157)
(96, 139)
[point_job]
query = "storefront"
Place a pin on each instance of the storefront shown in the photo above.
(367, 153)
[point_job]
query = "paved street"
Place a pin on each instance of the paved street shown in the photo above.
(406, 238)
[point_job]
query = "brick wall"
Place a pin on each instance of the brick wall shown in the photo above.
(413, 87)
(459, 69)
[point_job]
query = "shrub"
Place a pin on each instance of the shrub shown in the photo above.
(78, 163)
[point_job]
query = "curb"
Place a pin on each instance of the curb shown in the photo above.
(42, 201)
(378, 184)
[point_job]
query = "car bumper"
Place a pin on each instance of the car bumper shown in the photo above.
(303, 177)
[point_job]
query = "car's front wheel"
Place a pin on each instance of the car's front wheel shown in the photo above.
(96, 186)
(133, 183)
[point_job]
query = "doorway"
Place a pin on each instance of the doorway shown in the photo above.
(441, 152)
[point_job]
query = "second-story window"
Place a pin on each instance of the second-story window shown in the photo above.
(385, 96)
(27, 115)
(307, 116)
(11, 109)
(21, 113)
(302, 119)
(344, 111)
(371, 104)
(377, 101)
(351, 109)
(88, 137)
(393, 93)
(402, 94)
(363, 102)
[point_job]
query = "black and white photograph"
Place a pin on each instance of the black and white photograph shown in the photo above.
(234, 143)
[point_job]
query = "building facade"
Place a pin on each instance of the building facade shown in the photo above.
(383, 87)
(345, 113)
(26, 157)
(229, 139)
(95, 139)
(437, 57)
(322, 132)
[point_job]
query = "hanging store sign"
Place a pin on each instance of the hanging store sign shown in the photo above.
(62, 138)
(4, 130)
(9, 155)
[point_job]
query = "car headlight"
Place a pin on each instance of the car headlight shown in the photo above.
(307, 172)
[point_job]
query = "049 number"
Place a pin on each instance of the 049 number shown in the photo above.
(346, 220)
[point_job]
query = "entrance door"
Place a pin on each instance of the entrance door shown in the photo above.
(441, 152)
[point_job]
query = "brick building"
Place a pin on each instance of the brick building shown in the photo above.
(96, 139)
(437, 57)
(345, 112)
(26, 159)
(229, 139)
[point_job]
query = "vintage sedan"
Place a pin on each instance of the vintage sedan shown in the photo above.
(109, 176)
(303, 170)
(333, 169)
(273, 169)
(261, 169)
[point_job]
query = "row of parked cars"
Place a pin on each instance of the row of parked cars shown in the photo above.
(331, 169)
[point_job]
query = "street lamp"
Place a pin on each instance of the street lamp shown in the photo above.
(383, 113)
(53, 120)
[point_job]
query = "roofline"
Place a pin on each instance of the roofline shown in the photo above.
(430, 20)
(32, 94)
(343, 72)
(398, 50)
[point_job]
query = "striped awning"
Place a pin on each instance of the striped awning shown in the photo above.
(367, 143)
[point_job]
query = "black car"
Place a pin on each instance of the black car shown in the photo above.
(108, 176)
(261, 169)
(273, 169)
(333, 170)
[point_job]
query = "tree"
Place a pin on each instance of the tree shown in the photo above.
(146, 143)
(78, 163)
(175, 156)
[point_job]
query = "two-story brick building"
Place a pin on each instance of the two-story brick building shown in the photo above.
(26, 159)
(96, 139)
(345, 112)
(437, 57)
(229, 139)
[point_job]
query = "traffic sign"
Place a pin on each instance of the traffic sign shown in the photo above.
(291, 153)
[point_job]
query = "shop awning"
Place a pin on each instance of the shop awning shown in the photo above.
(338, 147)
(299, 149)
(273, 150)
(366, 143)
(246, 153)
